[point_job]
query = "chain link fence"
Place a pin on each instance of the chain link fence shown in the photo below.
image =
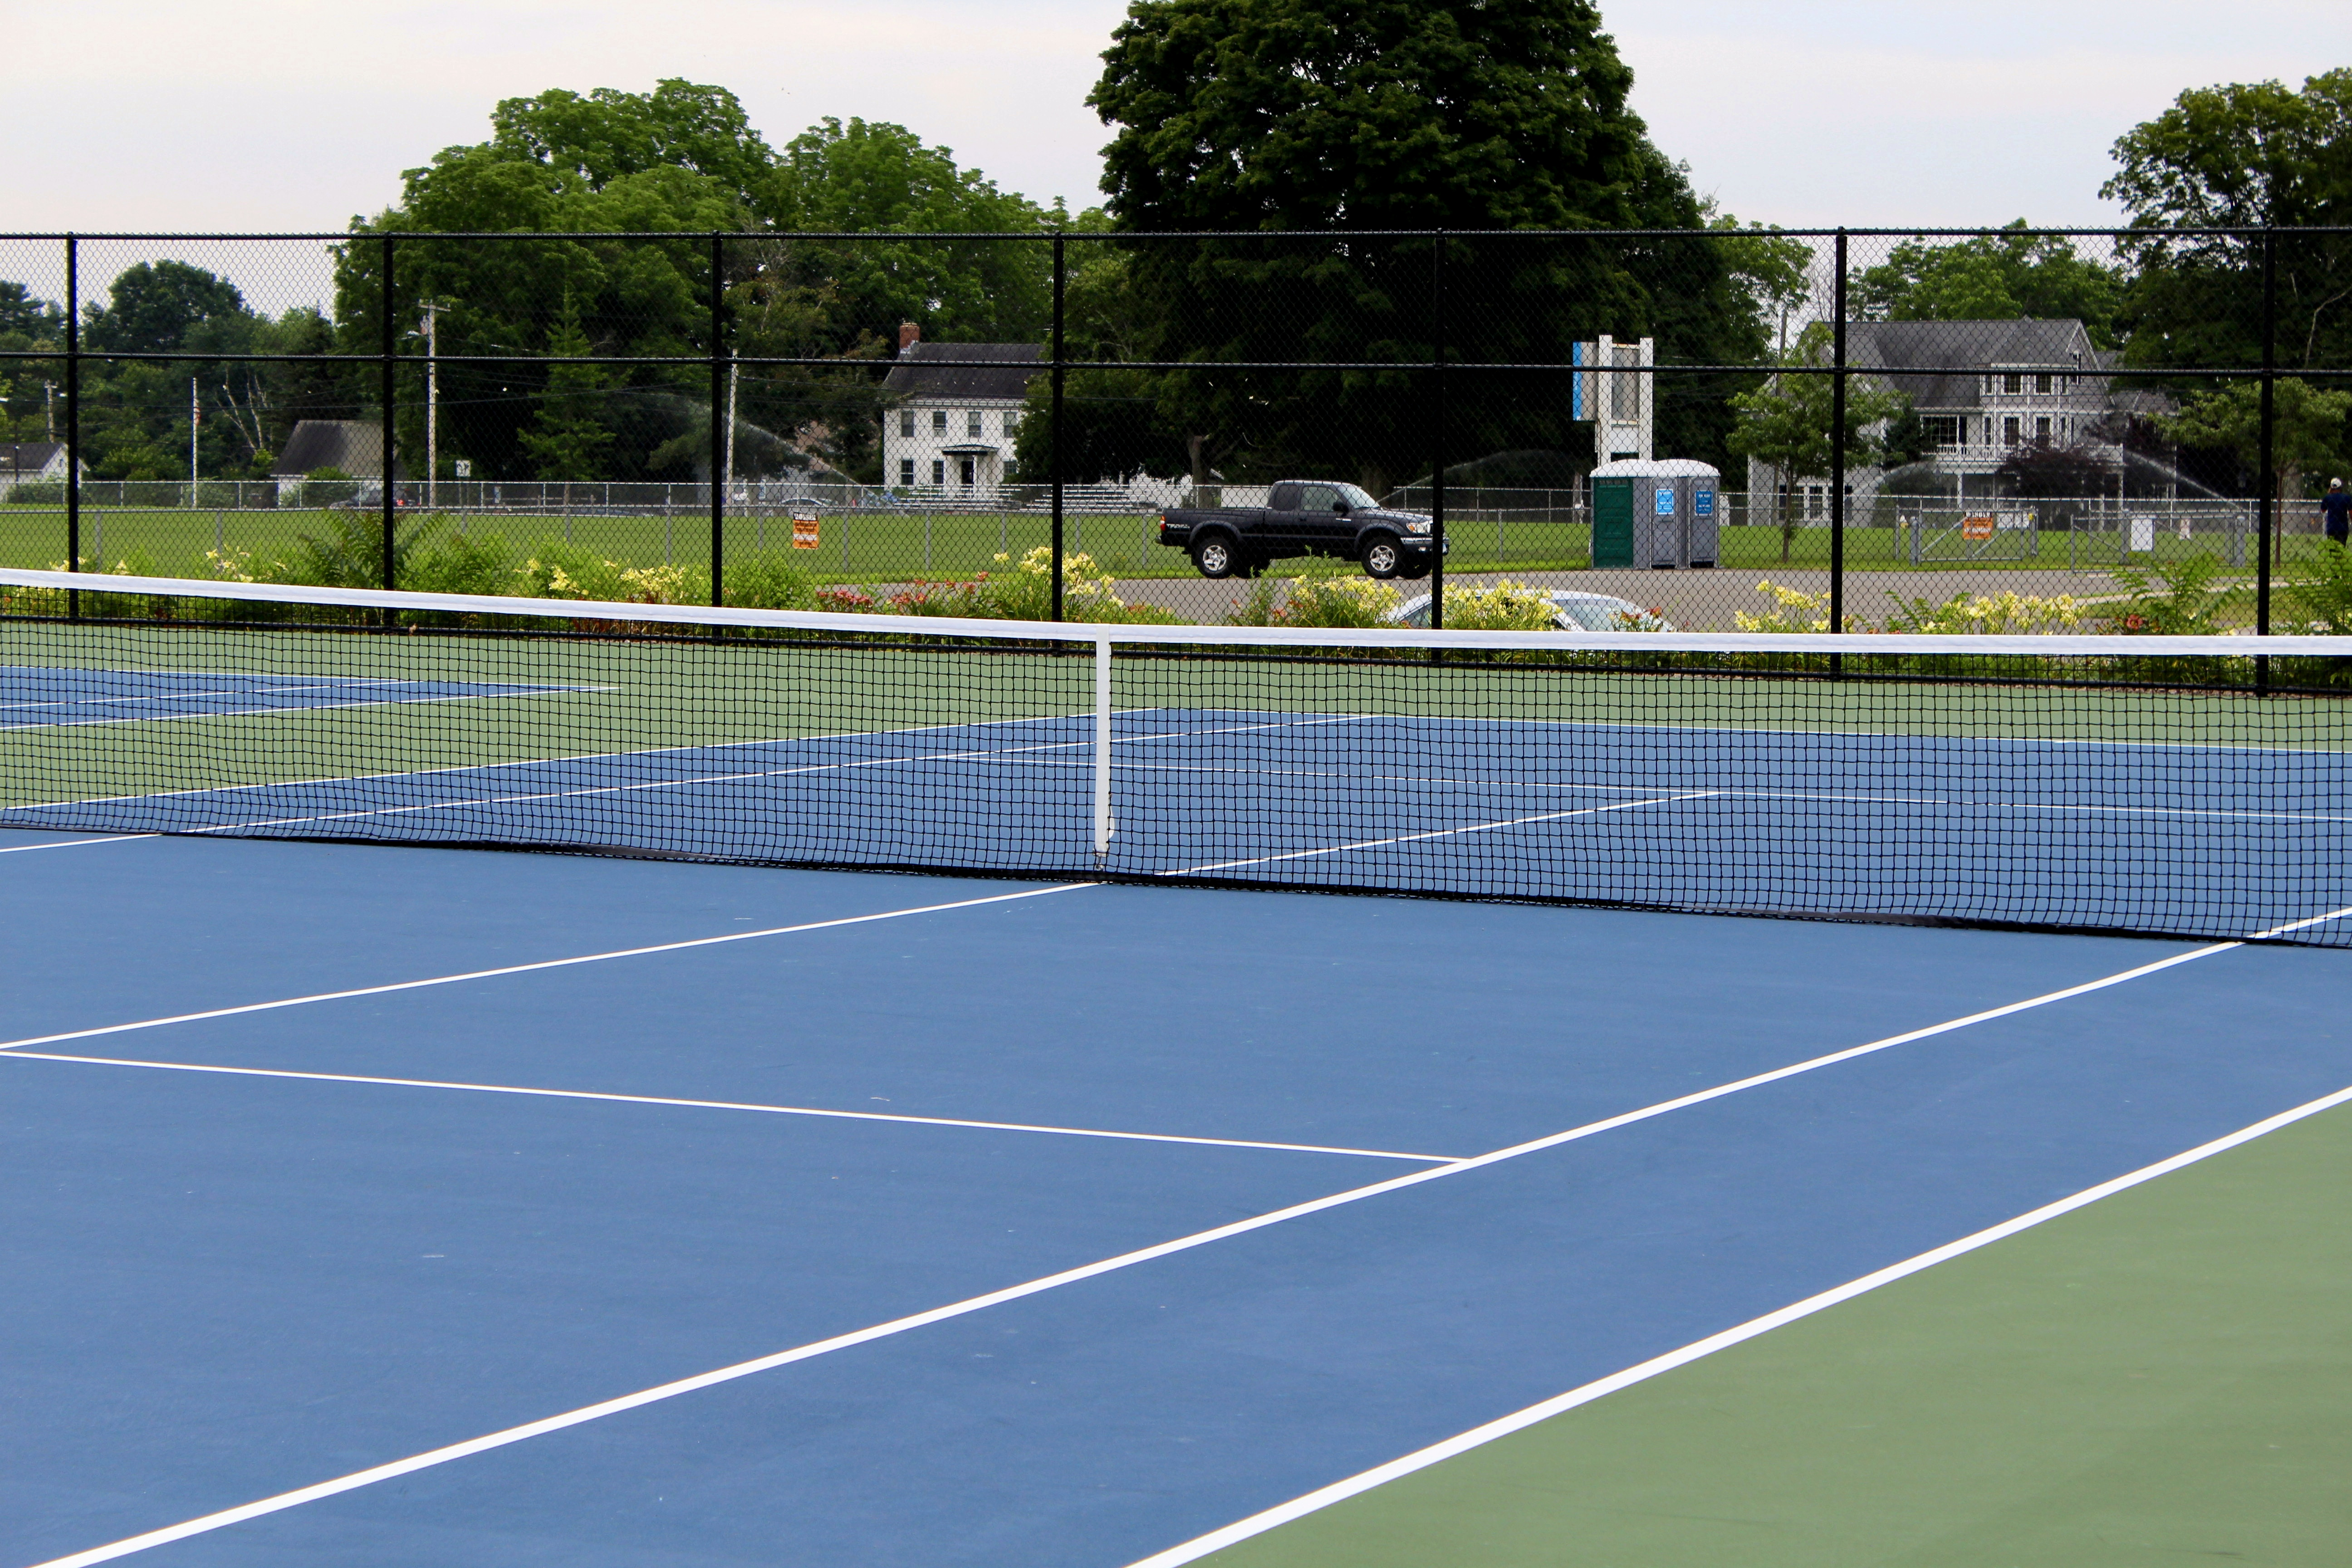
(2000, 429)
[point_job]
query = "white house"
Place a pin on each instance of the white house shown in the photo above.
(951, 427)
(26, 462)
(1982, 388)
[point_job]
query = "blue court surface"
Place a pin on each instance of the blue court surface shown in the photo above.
(451, 1206)
(2177, 836)
(45, 695)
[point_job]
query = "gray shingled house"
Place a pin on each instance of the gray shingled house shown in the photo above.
(1982, 388)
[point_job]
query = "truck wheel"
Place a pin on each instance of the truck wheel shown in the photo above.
(1382, 558)
(1216, 557)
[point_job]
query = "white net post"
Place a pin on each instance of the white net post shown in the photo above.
(1102, 747)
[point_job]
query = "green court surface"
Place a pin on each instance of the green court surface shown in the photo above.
(2162, 1376)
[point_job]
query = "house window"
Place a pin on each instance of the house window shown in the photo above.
(2012, 384)
(940, 422)
(939, 468)
(2041, 383)
(2042, 428)
(1011, 421)
(1942, 429)
(2009, 431)
(907, 422)
(907, 471)
(972, 424)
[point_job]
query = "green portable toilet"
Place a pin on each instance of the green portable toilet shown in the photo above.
(1658, 514)
(1613, 520)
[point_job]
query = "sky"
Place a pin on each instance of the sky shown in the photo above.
(293, 115)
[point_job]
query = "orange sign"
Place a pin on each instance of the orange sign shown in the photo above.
(1976, 527)
(804, 530)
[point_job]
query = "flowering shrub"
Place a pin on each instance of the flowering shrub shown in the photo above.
(1335, 602)
(1793, 612)
(2005, 613)
(1505, 607)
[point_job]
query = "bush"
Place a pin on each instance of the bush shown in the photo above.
(1024, 592)
(1792, 612)
(1505, 607)
(1338, 602)
(1992, 615)
(2172, 598)
(462, 564)
(2320, 591)
(768, 581)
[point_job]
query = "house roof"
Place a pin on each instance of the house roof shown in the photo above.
(1890, 346)
(1003, 379)
(354, 445)
(29, 457)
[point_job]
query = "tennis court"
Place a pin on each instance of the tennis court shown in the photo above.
(462, 1205)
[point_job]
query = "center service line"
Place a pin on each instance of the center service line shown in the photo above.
(529, 968)
(587, 1413)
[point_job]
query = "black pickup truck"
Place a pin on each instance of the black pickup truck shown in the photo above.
(1302, 517)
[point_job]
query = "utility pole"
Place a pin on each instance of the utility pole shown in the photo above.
(195, 422)
(431, 404)
(734, 380)
(50, 410)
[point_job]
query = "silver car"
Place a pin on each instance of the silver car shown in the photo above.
(1572, 611)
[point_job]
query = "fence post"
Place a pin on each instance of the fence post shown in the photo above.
(717, 399)
(390, 508)
(1437, 437)
(1837, 448)
(73, 420)
(1054, 435)
(2265, 491)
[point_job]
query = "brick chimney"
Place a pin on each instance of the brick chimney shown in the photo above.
(910, 335)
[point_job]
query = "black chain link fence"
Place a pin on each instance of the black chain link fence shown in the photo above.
(2003, 430)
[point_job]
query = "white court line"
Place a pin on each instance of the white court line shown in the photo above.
(507, 689)
(531, 968)
(587, 1413)
(16, 1054)
(1339, 1492)
(587, 791)
(1435, 833)
(291, 708)
(965, 755)
(77, 842)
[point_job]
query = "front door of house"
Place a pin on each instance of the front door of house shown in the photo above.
(969, 466)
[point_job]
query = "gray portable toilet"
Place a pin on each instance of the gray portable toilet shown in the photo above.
(1659, 513)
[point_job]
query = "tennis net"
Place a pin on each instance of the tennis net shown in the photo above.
(2190, 788)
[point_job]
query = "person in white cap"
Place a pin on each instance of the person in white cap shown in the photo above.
(2335, 510)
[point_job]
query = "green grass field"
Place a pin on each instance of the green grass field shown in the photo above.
(2164, 1376)
(883, 547)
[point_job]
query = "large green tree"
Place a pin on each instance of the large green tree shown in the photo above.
(2243, 155)
(1992, 277)
(1282, 116)
(685, 160)
(2309, 429)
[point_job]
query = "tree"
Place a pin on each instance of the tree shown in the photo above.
(2307, 429)
(1994, 277)
(1787, 423)
(569, 439)
(1278, 116)
(161, 307)
(2244, 155)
